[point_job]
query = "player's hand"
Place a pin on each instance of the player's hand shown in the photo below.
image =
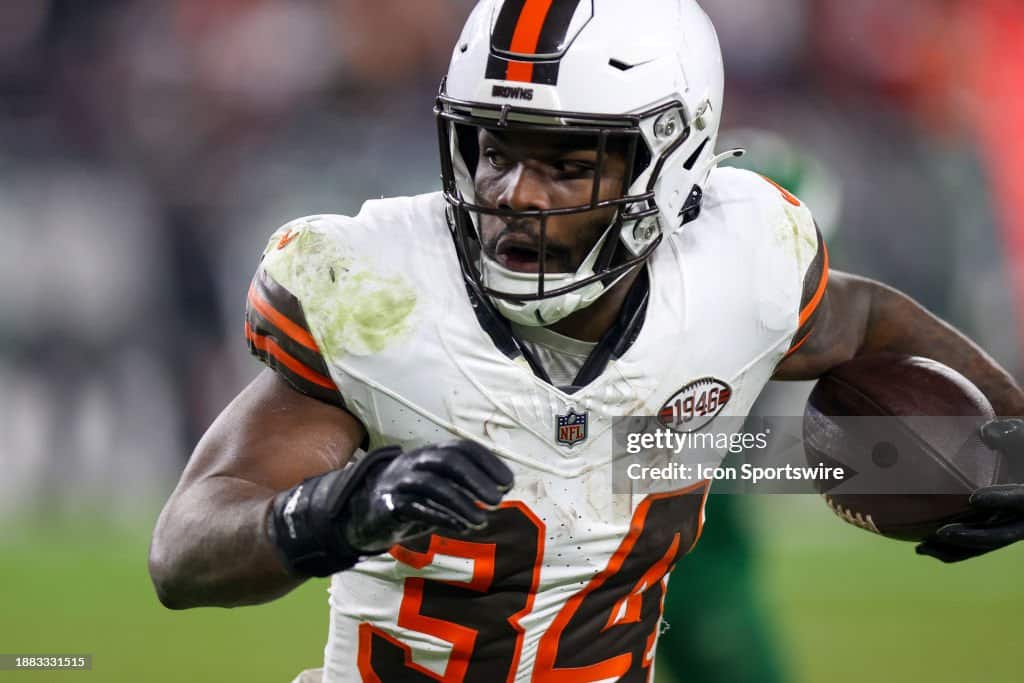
(448, 487)
(1000, 507)
(328, 522)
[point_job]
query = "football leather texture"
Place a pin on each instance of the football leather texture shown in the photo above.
(906, 430)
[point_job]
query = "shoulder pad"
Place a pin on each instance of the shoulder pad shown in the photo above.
(276, 327)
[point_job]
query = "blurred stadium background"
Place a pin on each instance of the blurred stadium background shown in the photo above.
(148, 147)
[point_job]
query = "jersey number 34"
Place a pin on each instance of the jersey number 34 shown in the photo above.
(605, 630)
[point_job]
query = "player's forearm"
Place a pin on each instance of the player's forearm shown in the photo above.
(899, 324)
(210, 547)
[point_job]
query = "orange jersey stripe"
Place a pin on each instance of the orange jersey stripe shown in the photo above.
(786, 194)
(269, 346)
(796, 346)
(812, 305)
(296, 332)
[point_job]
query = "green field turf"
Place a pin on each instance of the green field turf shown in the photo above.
(853, 607)
(847, 607)
(77, 590)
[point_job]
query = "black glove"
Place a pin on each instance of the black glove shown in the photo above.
(1000, 508)
(327, 523)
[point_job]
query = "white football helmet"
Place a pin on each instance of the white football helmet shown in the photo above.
(647, 73)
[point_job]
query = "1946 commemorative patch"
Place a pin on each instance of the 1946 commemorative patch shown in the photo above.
(695, 405)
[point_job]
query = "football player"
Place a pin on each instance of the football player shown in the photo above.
(585, 260)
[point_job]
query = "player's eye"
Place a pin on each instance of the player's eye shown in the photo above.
(575, 168)
(495, 158)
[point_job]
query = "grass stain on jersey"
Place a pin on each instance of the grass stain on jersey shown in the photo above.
(803, 242)
(370, 311)
(350, 309)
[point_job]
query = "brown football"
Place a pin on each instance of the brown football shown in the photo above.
(906, 430)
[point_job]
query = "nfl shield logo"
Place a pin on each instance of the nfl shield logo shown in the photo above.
(571, 428)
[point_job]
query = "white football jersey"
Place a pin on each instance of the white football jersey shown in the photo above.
(568, 577)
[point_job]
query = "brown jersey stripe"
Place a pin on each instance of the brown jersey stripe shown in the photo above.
(269, 346)
(264, 328)
(277, 333)
(265, 290)
(816, 277)
(794, 347)
(815, 285)
(302, 378)
(272, 311)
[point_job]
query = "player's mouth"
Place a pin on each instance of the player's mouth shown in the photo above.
(521, 253)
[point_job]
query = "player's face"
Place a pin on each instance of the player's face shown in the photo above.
(537, 171)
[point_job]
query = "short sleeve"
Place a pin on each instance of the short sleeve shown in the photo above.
(815, 282)
(797, 256)
(277, 331)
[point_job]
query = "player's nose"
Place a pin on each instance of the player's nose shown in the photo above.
(526, 189)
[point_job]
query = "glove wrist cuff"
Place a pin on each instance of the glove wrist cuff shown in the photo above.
(306, 524)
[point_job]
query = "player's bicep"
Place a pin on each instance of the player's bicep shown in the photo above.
(290, 423)
(274, 436)
(839, 320)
